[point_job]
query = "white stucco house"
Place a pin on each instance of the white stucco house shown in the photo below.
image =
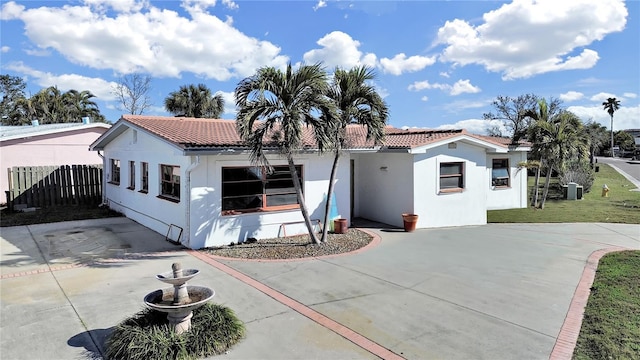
(192, 180)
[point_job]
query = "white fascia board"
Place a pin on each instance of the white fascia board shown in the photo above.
(489, 147)
(55, 131)
(119, 128)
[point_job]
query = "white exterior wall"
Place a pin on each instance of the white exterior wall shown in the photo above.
(437, 209)
(516, 195)
(209, 228)
(146, 209)
(384, 186)
(202, 222)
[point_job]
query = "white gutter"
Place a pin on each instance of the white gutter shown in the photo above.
(192, 166)
(104, 178)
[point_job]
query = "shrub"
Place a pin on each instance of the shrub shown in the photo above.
(579, 172)
(147, 335)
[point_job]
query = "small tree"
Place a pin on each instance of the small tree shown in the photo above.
(624, 140)
(132, 91)
(514, 113)
(12, 91)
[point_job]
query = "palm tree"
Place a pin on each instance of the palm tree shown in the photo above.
(274, 106)
(556, 139)
(597, 135)
(79, 104)
(611, 105)
(194, 101)
(357, 102)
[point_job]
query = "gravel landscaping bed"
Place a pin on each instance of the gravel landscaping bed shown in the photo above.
(294, 247)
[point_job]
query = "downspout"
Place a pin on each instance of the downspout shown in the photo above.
(104, 179)
(192, 166)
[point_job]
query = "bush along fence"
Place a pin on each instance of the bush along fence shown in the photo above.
(44, 186)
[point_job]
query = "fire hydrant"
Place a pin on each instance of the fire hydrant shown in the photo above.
(605, 190)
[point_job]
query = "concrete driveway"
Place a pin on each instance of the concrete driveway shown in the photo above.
(500, 291)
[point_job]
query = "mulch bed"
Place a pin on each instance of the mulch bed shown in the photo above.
(294, 247)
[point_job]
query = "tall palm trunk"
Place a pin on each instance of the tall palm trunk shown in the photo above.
(301, 202)
(547, 181)
(536, 185)
(327, 206)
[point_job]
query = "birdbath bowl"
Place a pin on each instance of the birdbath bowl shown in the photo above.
(187, 274)
(179, 301)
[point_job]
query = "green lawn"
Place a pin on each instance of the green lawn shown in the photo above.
(622, 205)
(611, 325)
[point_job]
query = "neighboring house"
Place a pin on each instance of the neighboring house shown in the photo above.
(47, 145)
(192, 179)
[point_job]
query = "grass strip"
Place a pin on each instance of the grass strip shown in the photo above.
(611, 325)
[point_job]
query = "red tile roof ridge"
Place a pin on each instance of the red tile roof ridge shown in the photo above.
(171, 118)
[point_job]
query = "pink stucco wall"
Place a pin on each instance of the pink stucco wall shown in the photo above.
(63, 148)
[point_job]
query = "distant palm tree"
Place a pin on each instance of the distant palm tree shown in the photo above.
(194, 101)
(357, 102)
(274, 107)
(79, 105)
(611, 105)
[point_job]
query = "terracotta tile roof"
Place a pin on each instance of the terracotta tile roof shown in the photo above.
(190, 133)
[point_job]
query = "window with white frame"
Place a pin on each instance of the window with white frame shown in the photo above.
(500, 173)
(132, 175)
(115, 171)
(170, 182)
(248, 189)
(451, 176)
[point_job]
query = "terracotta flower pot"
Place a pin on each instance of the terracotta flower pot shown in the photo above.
(410, 221)
(340, 226)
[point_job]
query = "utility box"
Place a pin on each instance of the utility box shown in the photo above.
(574, 191)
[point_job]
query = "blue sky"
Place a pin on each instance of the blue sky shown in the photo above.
(439, 64)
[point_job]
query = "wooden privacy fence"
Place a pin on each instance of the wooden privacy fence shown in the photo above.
(43, 186)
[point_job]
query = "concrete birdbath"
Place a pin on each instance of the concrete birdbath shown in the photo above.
(180, 300)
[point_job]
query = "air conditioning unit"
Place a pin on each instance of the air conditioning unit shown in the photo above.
(574, 191)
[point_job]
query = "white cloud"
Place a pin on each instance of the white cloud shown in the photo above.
(571, 96)
(320, 5)
(229, 102)
(5, 49)
(11, 11)
(603, 96)
(339, 49)
(459, 87)
(202, 5)
(627, 117)
(102, 89)
(462, 87)
(476, 126)
(401, 64)
(199, 43)
(444, 74)
(505, 43)
(125, 6)
(630, 95)
(422, 85)
(424, 98)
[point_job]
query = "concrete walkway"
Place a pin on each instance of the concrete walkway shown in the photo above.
(500, 291)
